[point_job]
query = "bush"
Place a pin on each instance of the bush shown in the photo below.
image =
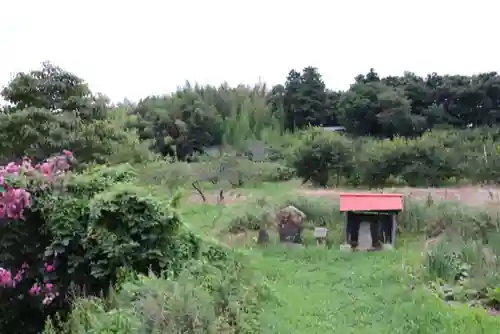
(202, 299)
(39, 133)
(322, 154)
(232, 171)
(465, 270)
(435, 218)
(434, 159)
(77, 235)
(419, 162)
(243, 172)
(462, 261)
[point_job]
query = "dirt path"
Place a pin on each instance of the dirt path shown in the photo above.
(470, 195)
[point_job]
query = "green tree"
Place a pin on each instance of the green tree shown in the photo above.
(376, 109)
(53, 88)
(321, 155)
(305, 100)
(197, 118)
(39, 133)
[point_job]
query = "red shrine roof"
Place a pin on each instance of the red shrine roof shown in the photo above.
(370, 202)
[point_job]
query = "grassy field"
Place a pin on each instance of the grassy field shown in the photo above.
(320, 290)
(324, 291)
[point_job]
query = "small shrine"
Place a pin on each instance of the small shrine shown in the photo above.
(370, 211)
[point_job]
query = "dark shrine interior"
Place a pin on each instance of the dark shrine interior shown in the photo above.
(381, 226)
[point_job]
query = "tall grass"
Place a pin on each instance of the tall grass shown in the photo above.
(203, 299)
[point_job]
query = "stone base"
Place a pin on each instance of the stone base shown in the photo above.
(346, 248)
(387, 247)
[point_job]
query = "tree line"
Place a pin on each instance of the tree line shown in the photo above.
(191, 120)
(406, 105)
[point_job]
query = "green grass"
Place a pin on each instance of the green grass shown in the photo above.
(329, 291)
(323, 290)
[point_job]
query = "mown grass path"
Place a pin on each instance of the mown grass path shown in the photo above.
(329, 291)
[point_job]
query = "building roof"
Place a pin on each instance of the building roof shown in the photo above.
(371, 202)
(334, 128)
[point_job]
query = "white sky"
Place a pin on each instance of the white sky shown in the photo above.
(135, 48)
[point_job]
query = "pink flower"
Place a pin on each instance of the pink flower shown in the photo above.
(49, 298)
(5, 278)
(49, 268)
(35, 289)
(13, 202)
(19, 276)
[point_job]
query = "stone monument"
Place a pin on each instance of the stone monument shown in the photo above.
(290, 224)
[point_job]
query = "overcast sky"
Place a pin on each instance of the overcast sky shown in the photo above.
(135, 48)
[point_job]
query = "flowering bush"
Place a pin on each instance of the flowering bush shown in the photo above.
(13, 202)
(63, 240)
(45, 289)
(25, 272)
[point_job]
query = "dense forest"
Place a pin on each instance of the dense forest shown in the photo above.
(197, 117)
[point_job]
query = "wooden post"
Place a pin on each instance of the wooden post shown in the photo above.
(393, 232)
(346, 231)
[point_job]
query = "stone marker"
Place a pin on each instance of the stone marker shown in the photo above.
(263, 237)
(365, 237)
(320, 234)
(290, 224)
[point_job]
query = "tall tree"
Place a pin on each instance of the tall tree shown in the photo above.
(376, 109)
(53, 88)
(305, 99)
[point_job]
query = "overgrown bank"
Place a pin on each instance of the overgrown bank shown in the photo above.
(71, 237)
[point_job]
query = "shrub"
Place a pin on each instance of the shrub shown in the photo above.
(462, 263)
(435, 218)
(38, 133)
(78, 234)
(436, 158)
(231, 170)
(202, 299)
(465, 270)
(244, 172)
(167, 174)
(417, 162)
(257, 215)
(323, 153)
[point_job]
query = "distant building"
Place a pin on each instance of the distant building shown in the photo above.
(334, 128)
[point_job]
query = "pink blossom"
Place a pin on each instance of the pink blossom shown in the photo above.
(49, 268)
(35, 289)
(13, 202)
(5, 277)
(19, 276)
(49, 297)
